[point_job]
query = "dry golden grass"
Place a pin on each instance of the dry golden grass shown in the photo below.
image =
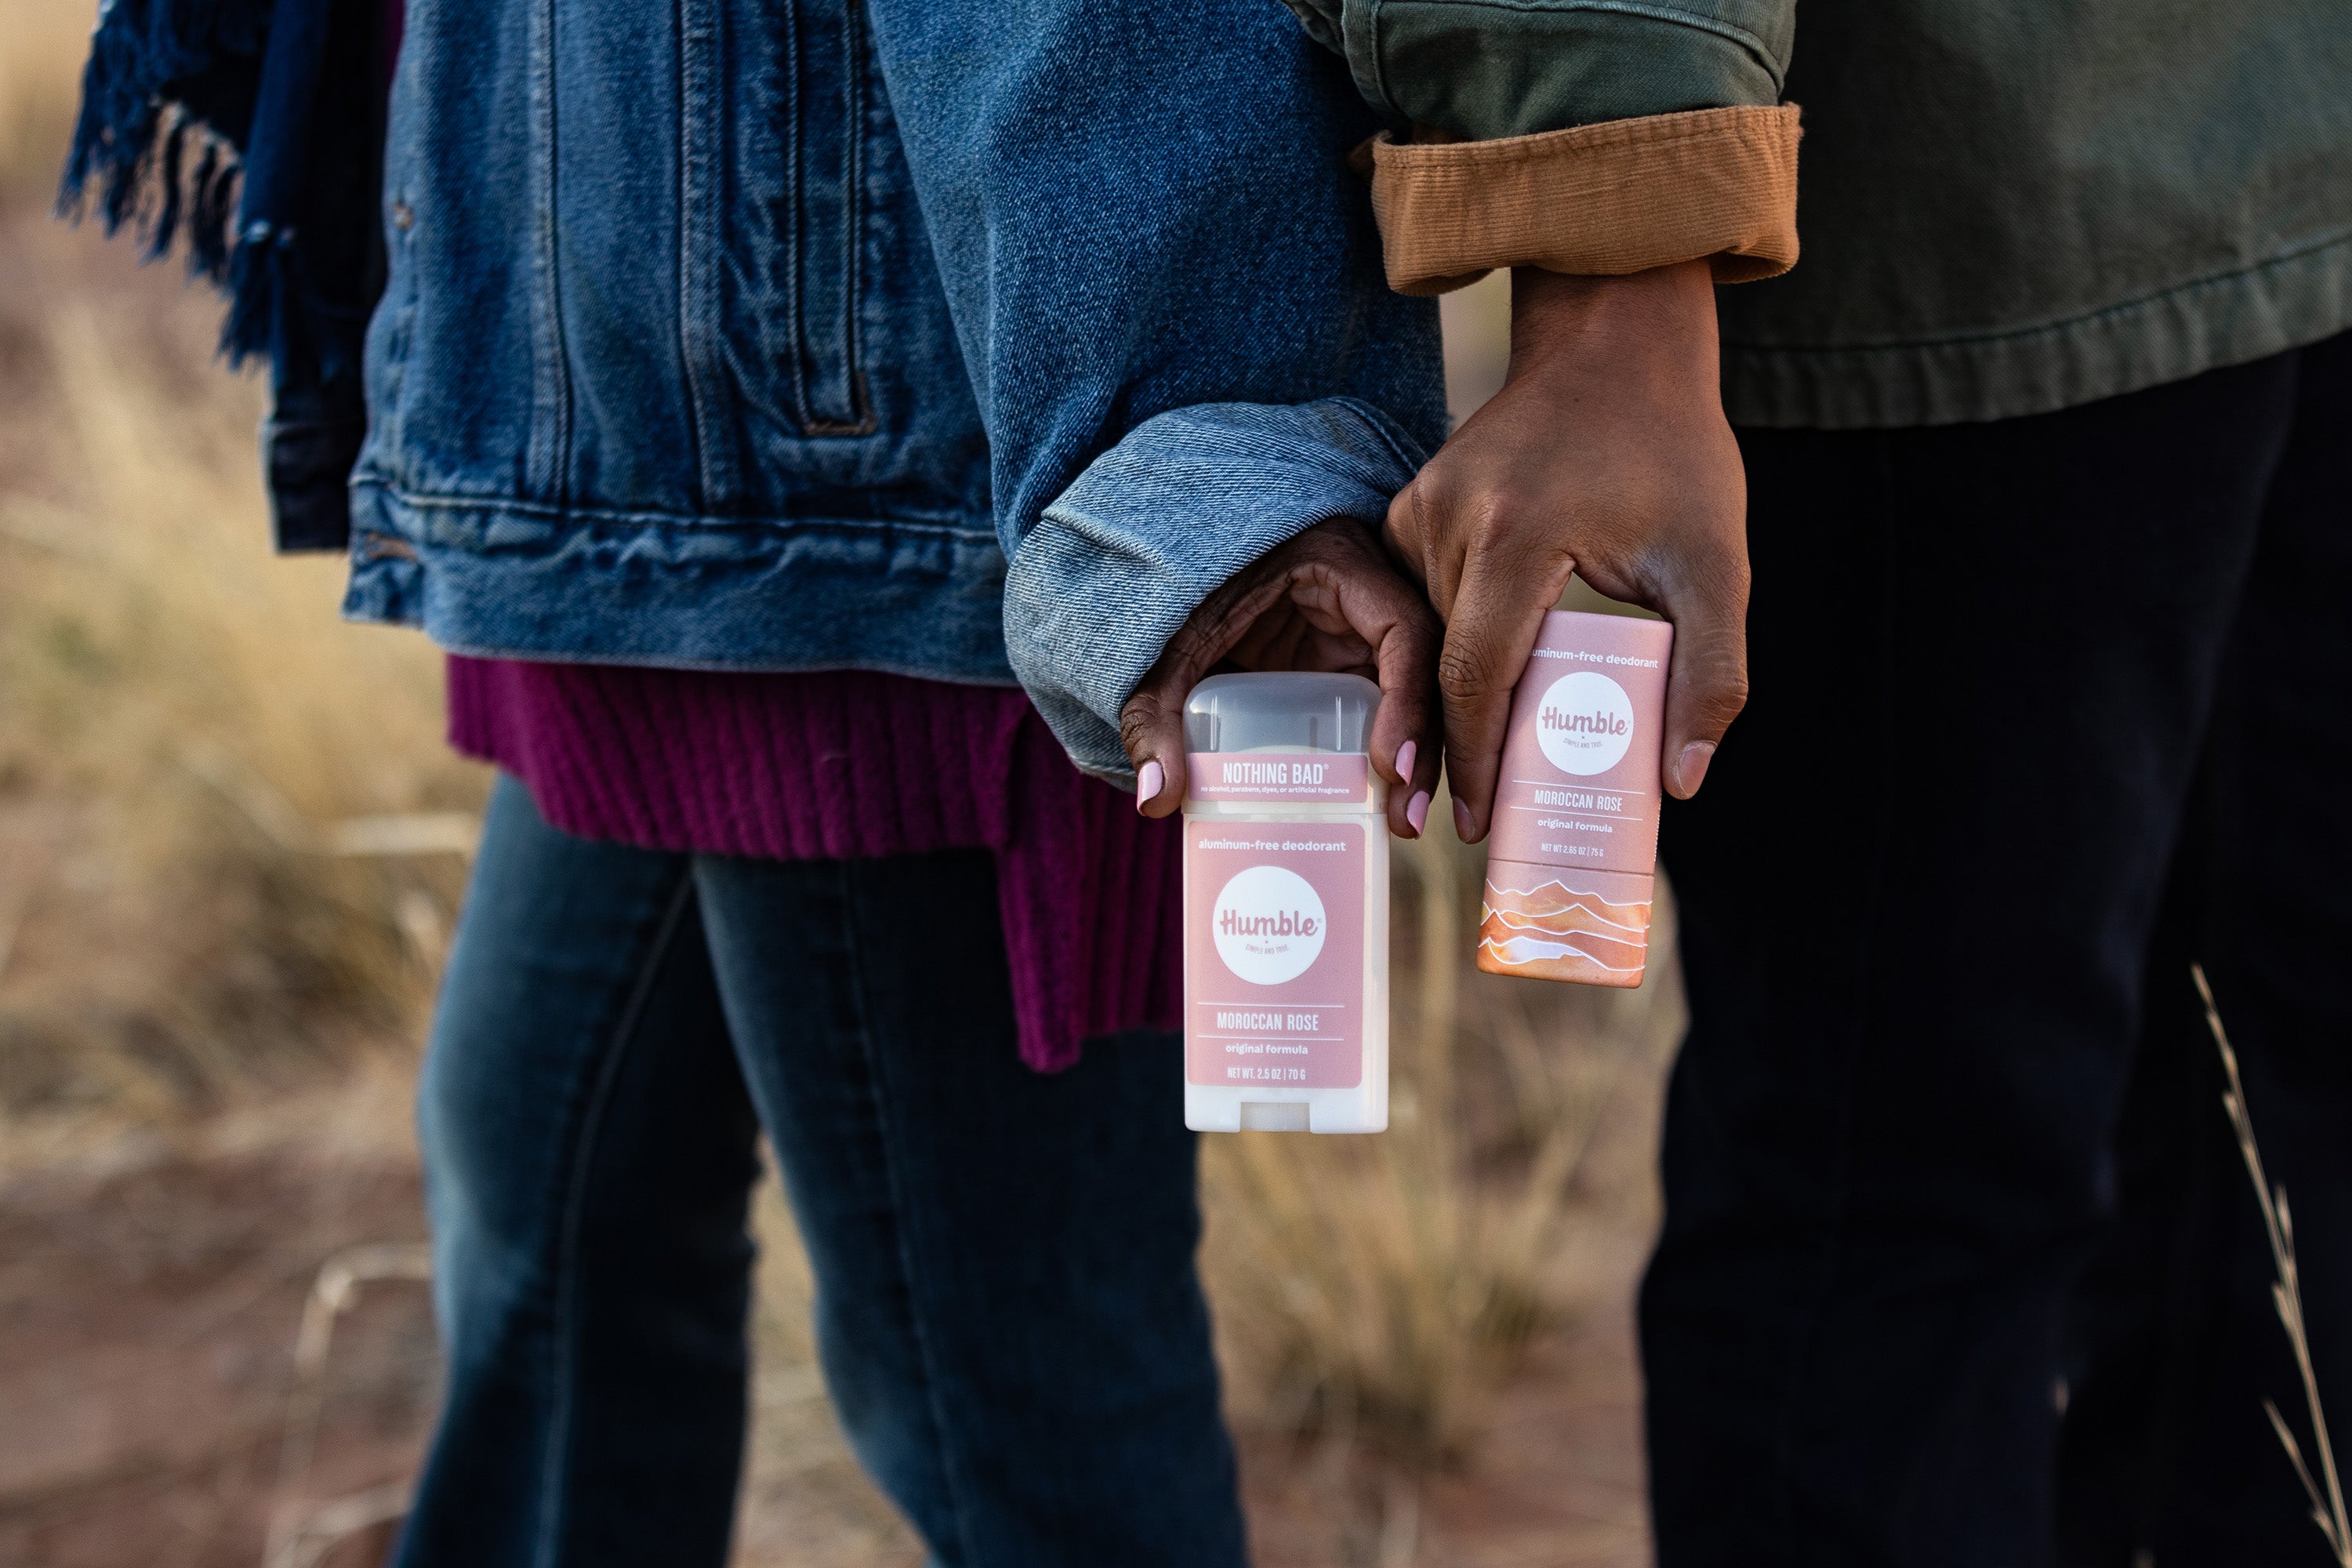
(40, 53)
(184, 724)
(2325, 1494)
(182, 721)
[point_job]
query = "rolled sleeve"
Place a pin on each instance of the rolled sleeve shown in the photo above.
(1605, 199)
(1166, 283)
(1153, 526)
(1583, 136)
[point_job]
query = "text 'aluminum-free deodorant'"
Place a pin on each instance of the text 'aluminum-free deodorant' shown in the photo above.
(1285, 907)
(1573, 850)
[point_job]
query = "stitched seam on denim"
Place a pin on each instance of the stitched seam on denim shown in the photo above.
(2305, 251)
(1387, 100)
(1401, 447)
(555, 1478)
(853, 239)
(693, 336)
(1364, 58)
(1726, 31)
(552, 512)
(557, 477)
(873, 1077)
(861, 421)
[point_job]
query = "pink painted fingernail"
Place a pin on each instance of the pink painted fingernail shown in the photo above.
(1148, 781)
(1405, 755)
(1416, 811)
(1462, 821)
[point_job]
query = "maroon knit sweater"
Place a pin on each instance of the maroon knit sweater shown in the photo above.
(844, 765)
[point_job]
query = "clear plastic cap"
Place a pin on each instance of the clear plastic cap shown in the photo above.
(1286, 710)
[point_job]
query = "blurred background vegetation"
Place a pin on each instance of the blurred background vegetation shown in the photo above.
(232, 849)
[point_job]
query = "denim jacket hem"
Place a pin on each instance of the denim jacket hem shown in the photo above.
(495, 578)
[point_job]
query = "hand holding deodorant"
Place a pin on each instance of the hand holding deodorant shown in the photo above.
(1574, 844)
(1285, 907)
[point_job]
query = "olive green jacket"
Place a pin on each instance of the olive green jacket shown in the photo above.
(2007, 207)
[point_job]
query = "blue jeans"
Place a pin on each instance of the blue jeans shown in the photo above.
(1007, 1311)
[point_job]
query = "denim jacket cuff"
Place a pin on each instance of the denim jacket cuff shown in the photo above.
(1617, 197)
(1153, 526)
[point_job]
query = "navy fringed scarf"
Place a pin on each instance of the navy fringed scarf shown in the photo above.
(280, 102)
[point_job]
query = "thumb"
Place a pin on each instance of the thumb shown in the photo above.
(1708, 686)
(1152, 721)
(1151, 728)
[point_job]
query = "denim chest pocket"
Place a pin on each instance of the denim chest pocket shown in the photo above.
(663, 263)
(771, 164)
(817, 337)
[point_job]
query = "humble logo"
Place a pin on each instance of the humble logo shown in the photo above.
(1269, 925)
(1585, 723)
(1290, 922)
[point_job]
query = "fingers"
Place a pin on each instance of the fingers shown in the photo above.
(1708, 686)
(1309, 635)
(1491, 557)
(1415, 767)
(1327, 600)
(1407, 740)
(1406, 539)
(1152, 721)
(1496, 618)
(1356, 601)
(1422, 537)
(1151, 728)
(1344, 585)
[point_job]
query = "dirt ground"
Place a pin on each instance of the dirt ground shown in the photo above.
(149, 1300)
(151, 1289)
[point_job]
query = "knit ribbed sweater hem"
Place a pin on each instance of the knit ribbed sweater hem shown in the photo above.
(851, 765)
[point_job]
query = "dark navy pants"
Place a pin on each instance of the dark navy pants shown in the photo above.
(1007, 1311)
(1960, 1266)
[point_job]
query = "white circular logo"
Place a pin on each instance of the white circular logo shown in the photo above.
(1269, 925)
(1585, 723)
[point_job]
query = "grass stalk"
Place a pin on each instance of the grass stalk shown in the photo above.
(2286, 1294)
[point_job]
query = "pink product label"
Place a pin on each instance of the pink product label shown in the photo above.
(1579, 784)
(1286, 778)
(1274, 955)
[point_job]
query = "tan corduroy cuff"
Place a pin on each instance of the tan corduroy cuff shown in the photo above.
(1616, 197)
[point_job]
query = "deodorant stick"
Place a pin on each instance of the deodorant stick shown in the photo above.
(1285, 907)
(1574, 844)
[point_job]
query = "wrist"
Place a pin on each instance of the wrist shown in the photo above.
(1660, 320)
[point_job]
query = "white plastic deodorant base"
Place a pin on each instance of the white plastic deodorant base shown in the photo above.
(1286, 907)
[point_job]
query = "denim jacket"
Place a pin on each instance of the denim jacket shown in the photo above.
(971, 342)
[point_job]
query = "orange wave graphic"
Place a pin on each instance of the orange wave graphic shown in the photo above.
(1559, 932)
